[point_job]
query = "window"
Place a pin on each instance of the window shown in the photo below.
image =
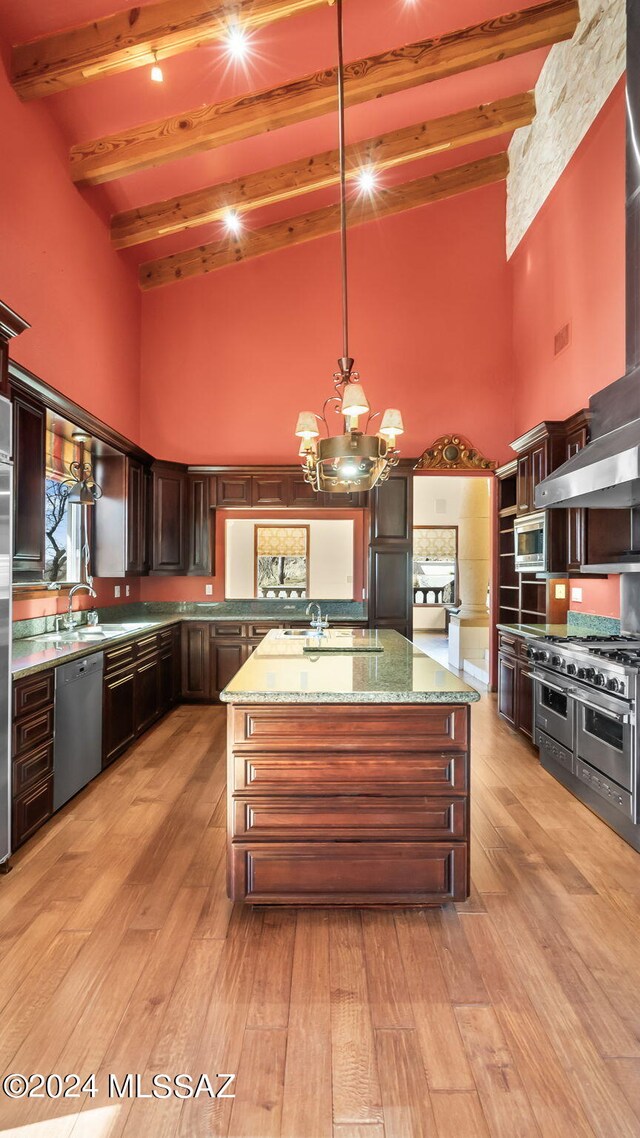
(281, 561)
(63, 520)
(435, 565)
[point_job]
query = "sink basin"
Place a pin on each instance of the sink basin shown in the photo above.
(296, 633)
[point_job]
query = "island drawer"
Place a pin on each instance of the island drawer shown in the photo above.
(348, 873)
(341, 727)
(32, 693)
(395, 775)
(32, 732)
(340, 817)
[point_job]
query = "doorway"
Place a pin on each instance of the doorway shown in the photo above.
(452, 570)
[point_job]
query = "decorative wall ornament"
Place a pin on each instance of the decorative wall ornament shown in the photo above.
(453, 452)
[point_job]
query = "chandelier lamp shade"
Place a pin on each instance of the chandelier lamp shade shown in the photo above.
(354, 459)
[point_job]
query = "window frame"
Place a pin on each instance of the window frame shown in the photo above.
(259, 526)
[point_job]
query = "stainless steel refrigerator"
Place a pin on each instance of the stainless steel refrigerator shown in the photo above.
(6, 534)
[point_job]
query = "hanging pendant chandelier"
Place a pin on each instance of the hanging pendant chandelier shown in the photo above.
(354, 459)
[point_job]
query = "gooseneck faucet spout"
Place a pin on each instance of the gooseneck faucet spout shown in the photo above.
(317, 622)
(69, 621)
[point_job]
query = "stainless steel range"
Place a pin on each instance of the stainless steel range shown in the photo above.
(585, 705)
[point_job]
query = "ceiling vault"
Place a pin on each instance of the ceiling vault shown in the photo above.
(152, 144)
(321, 222)
(305, 175)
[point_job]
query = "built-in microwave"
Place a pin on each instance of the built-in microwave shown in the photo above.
(530, 534)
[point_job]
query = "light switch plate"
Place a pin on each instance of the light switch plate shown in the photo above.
(127, 590)
(116, 590)
(208, 590)
(576, 594)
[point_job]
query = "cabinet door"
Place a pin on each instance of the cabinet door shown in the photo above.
(167, 679)
(136, 541)
(29, 420)
(524, 700)
(523, 484)
(539, 469)
(196, 668)
(199, 526)
(301, 493)
(390, 575)
(270, 490)
(119, 717)
(147, 693)
(507, 689)
(169, 510)
(233, 490)
(228, 658)
(576, 516)
(391, 510)
(31, 810)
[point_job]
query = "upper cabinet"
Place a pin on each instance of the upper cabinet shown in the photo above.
(200, 525)
(539, 452)
(277, 488)
(169, 530)
(121, 517)
(577, 437)
(29, 426)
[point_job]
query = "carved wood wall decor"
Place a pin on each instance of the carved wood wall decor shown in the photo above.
(453, 452)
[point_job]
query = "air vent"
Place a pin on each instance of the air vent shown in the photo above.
(562, 339)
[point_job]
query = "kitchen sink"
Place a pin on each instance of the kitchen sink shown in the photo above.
(296, 633)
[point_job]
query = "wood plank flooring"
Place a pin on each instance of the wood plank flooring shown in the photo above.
(514, 1015)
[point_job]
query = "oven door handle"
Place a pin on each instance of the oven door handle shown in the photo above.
(620, 717)
(547, 684)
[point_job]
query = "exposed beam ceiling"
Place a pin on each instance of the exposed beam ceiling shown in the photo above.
(321, 222)
(127, 40)
(151, 144)
(307, 174)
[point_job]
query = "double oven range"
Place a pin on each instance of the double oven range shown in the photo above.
(586, 693)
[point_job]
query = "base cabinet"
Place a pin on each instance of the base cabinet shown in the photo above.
(348, 806)
(118, 714)
(515, 686)
(32, 755)
(141, 683)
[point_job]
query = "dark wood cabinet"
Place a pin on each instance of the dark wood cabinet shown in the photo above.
(270, 490)
(515, 686)
(147, 692)
(118, 714)
(169, 497)
(577, 438)
(11, 325)
(196, 667)
(301, 493)
(169, 669)
(234, 490)
(227, 657)
(200, 537)
(391, 554)
(29, 426)
(507, 668)
(121, 517)
(32, 755)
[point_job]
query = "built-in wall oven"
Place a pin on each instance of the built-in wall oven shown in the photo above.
(530, 536)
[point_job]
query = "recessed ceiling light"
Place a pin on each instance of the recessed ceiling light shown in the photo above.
(232, 221)
(367, 180)
(236, 42)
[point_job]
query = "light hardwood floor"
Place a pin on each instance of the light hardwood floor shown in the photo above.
(514, 1015)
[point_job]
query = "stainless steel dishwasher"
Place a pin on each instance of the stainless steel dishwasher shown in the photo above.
(77, 745)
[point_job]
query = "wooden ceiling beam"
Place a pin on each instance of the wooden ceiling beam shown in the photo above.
(305, 175)
(129, 39)
(321, 222)
(152, 144)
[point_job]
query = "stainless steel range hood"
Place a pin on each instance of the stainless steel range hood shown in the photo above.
(606, 474)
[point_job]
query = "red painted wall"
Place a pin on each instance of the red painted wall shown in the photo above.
(569, 268)
(58, 271)
(51, 604)
(229, 359)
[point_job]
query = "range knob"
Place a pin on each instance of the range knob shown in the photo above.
(614, 685)
(542, 656)
(556, 661)
(571, 669)
(599, 679)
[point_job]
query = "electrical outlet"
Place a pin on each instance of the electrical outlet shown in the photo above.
(116, 590)
(561, 592)
(208, 590)
(576, 594)
(127, 590)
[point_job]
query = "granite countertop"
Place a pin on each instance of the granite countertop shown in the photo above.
(280, 671)
(537, 630)
(36, 653)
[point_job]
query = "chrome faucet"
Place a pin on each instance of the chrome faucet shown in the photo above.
(317, 622)
(69, 622)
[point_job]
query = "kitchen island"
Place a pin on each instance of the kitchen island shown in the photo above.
(348, 773)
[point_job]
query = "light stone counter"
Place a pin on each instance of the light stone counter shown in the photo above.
(281, 671)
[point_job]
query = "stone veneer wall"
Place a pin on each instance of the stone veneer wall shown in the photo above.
(574, 85)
